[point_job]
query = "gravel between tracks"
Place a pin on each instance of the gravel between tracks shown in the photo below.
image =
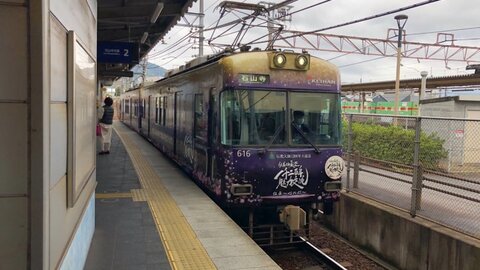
(330, 244)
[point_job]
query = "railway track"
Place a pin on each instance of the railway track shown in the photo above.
(321, 250)
(319, 255)
(302, 254)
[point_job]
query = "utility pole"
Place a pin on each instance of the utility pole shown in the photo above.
(201, 25)
(200, 28)
(401, 20)
(141, 109)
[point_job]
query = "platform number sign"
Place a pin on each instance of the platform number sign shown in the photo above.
(117, 52)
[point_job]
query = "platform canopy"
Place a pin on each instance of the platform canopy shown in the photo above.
(126, 25)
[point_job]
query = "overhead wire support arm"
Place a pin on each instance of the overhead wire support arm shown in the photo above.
(274, 38)
(255, 41)
(222, 12)
(228, 6)
(245, 32)
(235, 5)
(379, 47)
(237, 38)
(221, 34)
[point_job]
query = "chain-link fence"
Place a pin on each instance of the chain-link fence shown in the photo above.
(427, 166)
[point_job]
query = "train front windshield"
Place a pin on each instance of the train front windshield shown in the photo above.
(259, 117)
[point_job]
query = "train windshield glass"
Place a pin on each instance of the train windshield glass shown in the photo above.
(315, 118)
(253, 117)
(258, 117)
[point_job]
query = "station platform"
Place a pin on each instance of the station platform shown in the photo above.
(150, 215)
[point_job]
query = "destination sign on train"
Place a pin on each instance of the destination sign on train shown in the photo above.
(253, 78)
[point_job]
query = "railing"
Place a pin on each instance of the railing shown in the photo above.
(427, 166)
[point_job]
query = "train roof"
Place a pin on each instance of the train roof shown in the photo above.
(204, 60)
(197, 62)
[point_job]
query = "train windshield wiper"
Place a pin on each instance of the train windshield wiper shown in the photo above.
(306, 138)
(274, 137)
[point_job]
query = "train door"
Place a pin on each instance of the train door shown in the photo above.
(149, 104)
(141, 108)
(130, 111)
(202, 133)
(176, 100)
(212, 119)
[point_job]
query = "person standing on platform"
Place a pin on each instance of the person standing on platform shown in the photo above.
(105, 122)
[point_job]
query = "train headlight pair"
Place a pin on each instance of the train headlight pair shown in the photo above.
(279, 60)
(301, 61)
(334, 167)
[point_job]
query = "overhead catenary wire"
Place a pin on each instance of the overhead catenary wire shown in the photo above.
(236, 22)
(442, 31)
(379, 15)
(300, 10)
(160, 53)
(190, 35)
(175, 57)
(318, 30)
(196, 18)
(250, 26)
(189, 45)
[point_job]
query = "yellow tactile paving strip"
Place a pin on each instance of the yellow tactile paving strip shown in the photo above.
(138, 195)
(113, 195)
(184, 249)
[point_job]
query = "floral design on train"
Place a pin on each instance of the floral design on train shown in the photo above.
(233, 176)
(188, 144)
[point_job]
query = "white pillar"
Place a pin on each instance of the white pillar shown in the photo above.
(423, 86)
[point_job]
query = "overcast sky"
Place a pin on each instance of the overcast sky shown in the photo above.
(446, 16)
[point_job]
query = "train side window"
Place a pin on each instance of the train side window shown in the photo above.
(160, 111)
(230, 119)
(200, 119)
(135, 108)
(164, 110)
(127, 106)
(156, 109)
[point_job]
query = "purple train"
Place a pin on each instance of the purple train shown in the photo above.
(257, 130)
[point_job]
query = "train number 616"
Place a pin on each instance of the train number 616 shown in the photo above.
(243, 153)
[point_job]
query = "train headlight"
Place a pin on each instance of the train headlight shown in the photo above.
(334, 167)
(301, 61)
(279, 60)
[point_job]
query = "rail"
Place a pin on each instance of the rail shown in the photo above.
(320, 255)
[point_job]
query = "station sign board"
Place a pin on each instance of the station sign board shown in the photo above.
(117, 52)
